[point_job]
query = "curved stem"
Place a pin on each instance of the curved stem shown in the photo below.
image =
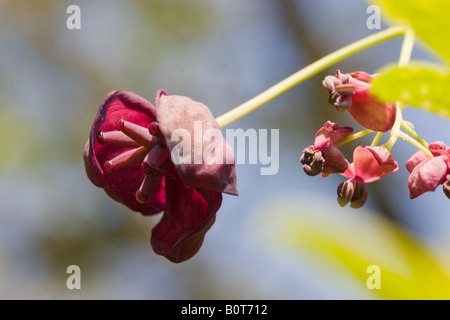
(415, 143)
(352, 137)
(395, 130)
(307, 72)
(376, 139)
(414, 134)
(407, 47)
(405, 57)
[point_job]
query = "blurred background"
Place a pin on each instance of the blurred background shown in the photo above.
(284, 237)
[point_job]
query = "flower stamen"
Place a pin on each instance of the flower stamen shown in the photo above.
(137, 133)
(116, 138)
(148, 186)
(125, 159)
(153, 128)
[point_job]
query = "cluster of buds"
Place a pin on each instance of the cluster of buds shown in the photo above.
(351, 92)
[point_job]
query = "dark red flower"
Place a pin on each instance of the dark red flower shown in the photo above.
(132, 155)
(351, 92)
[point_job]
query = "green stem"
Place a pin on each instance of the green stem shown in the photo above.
(307, 72)
(407, 47)
(405, 57)
(414, 134)
(352, 137)
(416, 140)
(415, 143)
(376, 139)
(395, 130)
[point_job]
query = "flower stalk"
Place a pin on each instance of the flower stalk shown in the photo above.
(306, 73)
(352, 137)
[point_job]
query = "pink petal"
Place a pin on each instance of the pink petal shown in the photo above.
(415, 159)
(179, 112)
(372, 114)
(427, 175)
(362, 76)
(373, 163)
(330, 133)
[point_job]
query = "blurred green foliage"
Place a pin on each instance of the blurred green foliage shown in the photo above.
(428, 19)
(416, 85)
(419, 84)
(347, 242)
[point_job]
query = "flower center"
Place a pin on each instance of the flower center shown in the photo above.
(145, 149)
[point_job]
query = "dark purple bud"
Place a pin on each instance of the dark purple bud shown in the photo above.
(353, 191)
(312, 161)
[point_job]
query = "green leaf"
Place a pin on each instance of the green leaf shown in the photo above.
(417, 84)
(428, 18)
(346, 242)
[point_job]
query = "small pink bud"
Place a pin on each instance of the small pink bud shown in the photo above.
(351, 92)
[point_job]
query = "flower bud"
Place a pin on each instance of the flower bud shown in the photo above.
(351, 92)
(312, 161)
(353, 191)
(323, 157)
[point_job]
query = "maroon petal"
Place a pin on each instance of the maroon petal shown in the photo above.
(179, 115)
(120, 184)
(188, 215)
(325, 137)
(335, 161)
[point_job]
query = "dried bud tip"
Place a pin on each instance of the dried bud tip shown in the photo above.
(101, 138)
(109, 166)
(119, 125)
(141, 197)
(153, 128)
(147, 168)
(312, 161)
